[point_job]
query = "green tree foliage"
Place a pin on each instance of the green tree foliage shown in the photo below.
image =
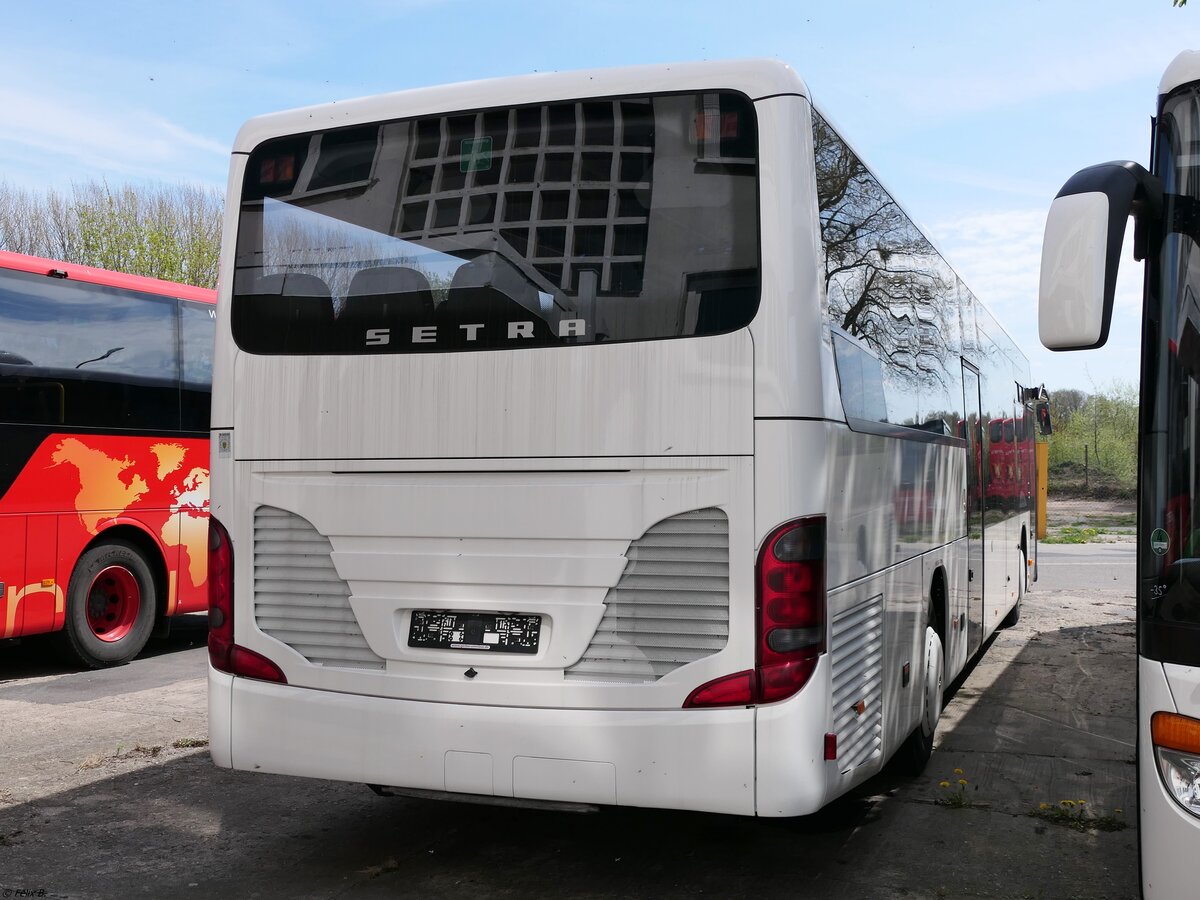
(171, 232)
(1105, 422)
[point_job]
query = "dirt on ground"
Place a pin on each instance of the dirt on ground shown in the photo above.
(1066, 510)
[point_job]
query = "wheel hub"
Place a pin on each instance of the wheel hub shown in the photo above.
(113, 602)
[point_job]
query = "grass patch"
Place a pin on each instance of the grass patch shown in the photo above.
(189, 743)
(1074, 814)
(1070, 534)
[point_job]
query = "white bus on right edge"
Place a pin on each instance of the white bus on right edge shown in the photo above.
(599, 438)
(1084, 232)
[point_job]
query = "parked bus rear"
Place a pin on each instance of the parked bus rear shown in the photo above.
(530, 465)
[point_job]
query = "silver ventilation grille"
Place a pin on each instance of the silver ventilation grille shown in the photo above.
(671, 606)
(299, 598)
(857, 656)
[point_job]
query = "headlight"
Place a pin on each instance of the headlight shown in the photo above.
(1177, 750)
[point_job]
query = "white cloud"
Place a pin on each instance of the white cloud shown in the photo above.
(86, 142)
(998, 255)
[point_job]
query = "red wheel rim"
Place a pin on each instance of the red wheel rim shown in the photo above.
(113, 602)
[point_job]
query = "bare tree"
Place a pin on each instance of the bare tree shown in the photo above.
(1064, 404)
(160, 231)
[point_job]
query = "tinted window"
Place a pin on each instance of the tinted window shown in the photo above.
(83, 355)
(888, 288)
(605, 220)
(197, 331)
(860, 376)
(1169, 458)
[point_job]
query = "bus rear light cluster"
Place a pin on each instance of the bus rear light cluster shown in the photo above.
(223, 653)
(1176, 741)
(790, 620)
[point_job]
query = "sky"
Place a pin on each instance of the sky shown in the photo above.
(972, 114)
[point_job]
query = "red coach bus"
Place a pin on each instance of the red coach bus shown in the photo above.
(105, 382)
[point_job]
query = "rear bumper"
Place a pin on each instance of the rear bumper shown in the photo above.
(676, 759)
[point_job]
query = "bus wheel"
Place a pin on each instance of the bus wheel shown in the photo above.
(914, 753)
(111, 604)
(1014, 614)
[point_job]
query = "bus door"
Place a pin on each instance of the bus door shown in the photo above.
(972, 411)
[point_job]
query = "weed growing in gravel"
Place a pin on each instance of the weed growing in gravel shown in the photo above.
(955, 792)
(1074, 814)
(189, 743)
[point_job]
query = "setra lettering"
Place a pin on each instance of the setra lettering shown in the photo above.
(428, 334)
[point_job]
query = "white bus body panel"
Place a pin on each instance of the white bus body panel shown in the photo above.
(651, 398)
(754, 78)
(695, 759)
(1171, 835)
(547, 537)
(1184, 69)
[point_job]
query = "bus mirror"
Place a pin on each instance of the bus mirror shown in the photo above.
(1082, 248)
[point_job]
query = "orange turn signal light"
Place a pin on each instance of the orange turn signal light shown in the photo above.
(1172, 731)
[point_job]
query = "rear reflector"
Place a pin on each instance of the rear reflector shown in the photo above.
(249, 664)
(729, 690)
(830, 745)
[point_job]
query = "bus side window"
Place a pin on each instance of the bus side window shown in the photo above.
(860, 375)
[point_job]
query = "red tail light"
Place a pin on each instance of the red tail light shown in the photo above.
(223, 653)
(790, 618)
(220, 597)
(791, 607)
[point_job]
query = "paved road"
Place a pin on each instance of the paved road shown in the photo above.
(1087, 567)
(97, 801)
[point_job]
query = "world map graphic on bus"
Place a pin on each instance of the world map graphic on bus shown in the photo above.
(158, 485)
(109, 486)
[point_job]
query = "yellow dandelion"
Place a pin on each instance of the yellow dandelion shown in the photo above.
(962, 781)
(945, 784)
(1043, 806)
(1066, 803)
(958, 771)
(1081, 802)
(1117, 811)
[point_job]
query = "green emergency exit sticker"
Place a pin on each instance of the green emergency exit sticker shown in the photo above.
(475, 154)
(1160, 541)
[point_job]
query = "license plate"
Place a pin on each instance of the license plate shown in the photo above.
(442, 629)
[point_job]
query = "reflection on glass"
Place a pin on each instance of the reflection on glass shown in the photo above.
(886, 285)
(615, 220)
(1170, 513)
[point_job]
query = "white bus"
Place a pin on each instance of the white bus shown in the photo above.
(1084, 233)
(598, 438)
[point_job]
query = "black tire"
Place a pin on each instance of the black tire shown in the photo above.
(1014, 614)
(111, 606)
(917, 748)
